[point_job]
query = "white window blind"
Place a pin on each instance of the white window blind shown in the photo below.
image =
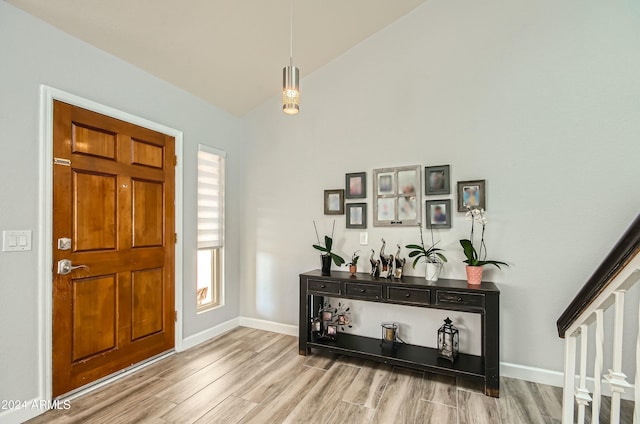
(210, 197)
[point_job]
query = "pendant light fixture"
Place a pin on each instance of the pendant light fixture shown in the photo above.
(291, 77)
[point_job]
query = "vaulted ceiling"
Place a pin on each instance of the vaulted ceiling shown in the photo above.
(228, 52)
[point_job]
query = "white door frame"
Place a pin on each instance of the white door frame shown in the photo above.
(45, 221)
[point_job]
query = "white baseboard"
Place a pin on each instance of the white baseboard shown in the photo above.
(209, 333)
(17, 416)
(276, 327)
(533, 374)
(259, 324)
(553, 378)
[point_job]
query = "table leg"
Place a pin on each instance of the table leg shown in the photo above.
(304, 332)
(491, 342)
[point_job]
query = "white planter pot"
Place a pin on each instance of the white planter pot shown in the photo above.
(433, 271)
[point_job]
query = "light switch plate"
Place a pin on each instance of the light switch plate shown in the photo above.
(16, 240)
(364, 238)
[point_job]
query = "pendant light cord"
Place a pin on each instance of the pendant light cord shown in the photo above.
(291, 33)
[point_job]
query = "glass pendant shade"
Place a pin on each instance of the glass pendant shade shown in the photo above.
(290, 90)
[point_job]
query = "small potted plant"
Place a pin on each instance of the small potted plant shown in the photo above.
(477, 259)
(327, 255)
(432, 256)
(353, 265)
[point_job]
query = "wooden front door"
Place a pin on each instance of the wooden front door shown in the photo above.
(113, 202)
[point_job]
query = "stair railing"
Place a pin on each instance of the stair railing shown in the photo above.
(605, 289)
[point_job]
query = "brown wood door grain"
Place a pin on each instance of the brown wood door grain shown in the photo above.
(115, 201)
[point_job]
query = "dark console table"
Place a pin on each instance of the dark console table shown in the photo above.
(455, 295)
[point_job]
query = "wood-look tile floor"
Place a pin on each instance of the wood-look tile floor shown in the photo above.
(253, 376)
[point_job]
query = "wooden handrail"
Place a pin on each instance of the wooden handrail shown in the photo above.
(616, 260)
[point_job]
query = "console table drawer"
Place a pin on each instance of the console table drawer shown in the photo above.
(324, 287)
(462, 299)
(410, 296)
(364, 291)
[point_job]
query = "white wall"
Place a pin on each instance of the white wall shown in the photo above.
(540, 98)
(35, 53)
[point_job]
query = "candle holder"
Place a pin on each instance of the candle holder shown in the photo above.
(448, 336)
(389, 333)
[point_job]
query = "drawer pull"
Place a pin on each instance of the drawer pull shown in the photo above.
(459, 299)
(323, 286)
(407, 295)
(363, 290)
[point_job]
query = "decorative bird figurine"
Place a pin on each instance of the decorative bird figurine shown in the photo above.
(398, 264)
(375, 265)
(385, 261)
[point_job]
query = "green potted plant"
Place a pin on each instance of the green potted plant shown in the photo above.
(327, 255)
(477, 259)
(353, 265)
(432, 256)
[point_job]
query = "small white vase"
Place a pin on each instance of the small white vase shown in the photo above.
(433, 271)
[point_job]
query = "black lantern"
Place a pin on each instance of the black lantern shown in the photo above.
(448, 341)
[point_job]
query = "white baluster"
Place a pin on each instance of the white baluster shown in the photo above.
(582, 394)
(569, 378)
(636, 410)
(597, 367)
(616, 379)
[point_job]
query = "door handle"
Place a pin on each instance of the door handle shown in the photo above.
(65, 267)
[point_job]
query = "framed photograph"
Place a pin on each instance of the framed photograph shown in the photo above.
(386, 183)
(334, 202)
(356, 185)
(437, 180)
(471, 194)
(332, 330)
(438, 213)
(397, 196)
(327, 316)
(385, 209)
(356, 215)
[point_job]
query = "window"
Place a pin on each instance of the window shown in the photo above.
(210, 227)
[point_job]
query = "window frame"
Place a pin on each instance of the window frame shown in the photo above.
(217, 252)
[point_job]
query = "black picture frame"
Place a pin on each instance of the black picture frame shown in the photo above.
(334, 202)
(356, 215)
(479, 196)
(355, 185)
(435, 222)
(437, 180)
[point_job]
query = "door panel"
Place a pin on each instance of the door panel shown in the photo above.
(94, 142)
(94, 211)
(146, 154)
(94, 315)
(148, 225)
(116, 202)
(147, 296)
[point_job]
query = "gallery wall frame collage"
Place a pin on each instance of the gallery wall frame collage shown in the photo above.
(397, 197)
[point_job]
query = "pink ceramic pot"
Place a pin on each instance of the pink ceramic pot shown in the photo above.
(474, 274)
(353, 269)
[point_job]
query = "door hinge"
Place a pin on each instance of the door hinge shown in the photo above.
(175, 316)
(175, 238)
(175, 160)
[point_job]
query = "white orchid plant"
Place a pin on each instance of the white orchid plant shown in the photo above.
(477, 257)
